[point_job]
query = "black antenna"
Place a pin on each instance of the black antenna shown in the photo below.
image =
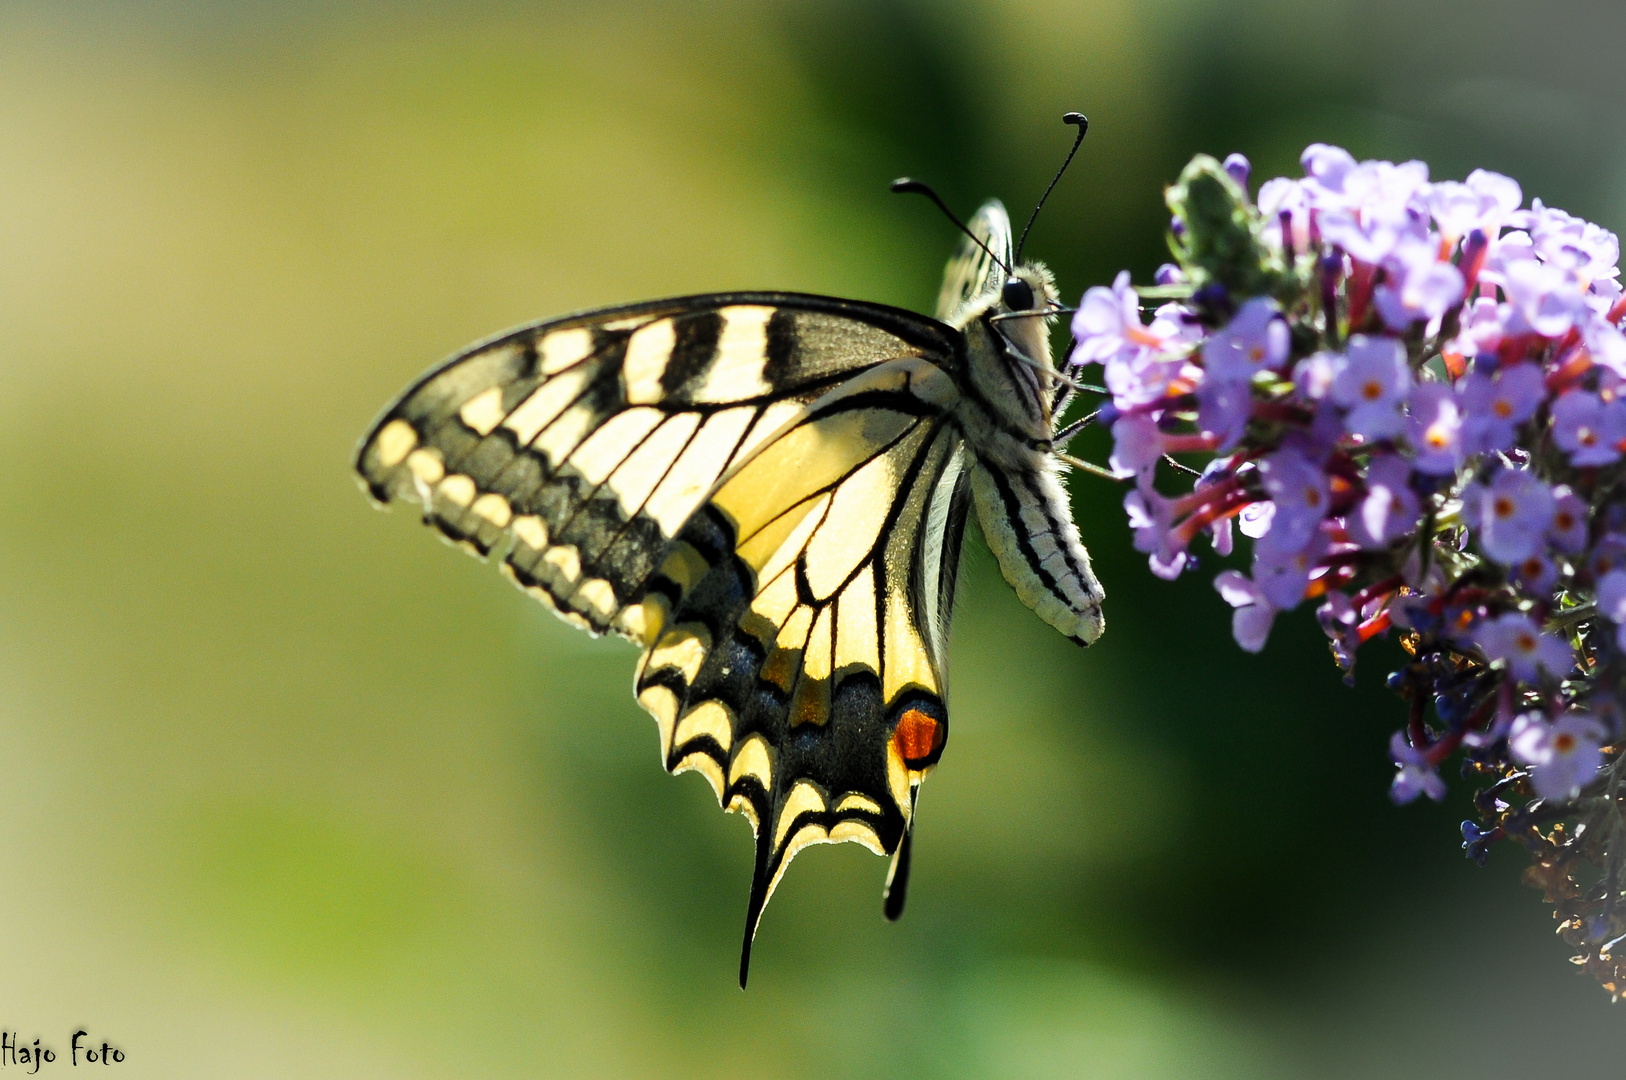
(905, 186)
(1082, 122)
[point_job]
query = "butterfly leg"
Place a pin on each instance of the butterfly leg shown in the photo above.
(1071, 431)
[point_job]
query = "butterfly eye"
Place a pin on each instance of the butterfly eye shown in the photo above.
(1018, 295)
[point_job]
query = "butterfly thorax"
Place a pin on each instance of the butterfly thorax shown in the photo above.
(1008, 413)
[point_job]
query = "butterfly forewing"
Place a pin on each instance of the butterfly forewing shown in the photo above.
(589, 440)
(762, 490)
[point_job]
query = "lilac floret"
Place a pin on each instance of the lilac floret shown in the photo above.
(1282, 574)
(1494, 406)
(1428, 288)
(1609, 553)
(1537, 575)
(1563, 755)
(1370, 234)
(1283, 198)
(1457, 208)
(1107, 322)
(1326, 168)
(1568, 532)
(1371, 380)
(1545, 297)
(1255, 519)
(1151, 520)
(1250, 622)
(1571, 243)
(1139, 377)
(1515, 639)
(1298, 490)
(1255, 340)
(1434, 428)
(1389, 508)
(1605, 343)
(1501, 196)
(1612, 602)
(1237, 167)
(1589, 429)
(1481, 328)
(1415, 776)
(1313, 376)
(1483, 202)
(1510, 515)
(1222, 411)
(1137, 444)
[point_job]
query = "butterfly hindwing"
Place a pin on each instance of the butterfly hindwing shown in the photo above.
(801, 663)
(970, 272)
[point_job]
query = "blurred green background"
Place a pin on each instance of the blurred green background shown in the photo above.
(289, 789)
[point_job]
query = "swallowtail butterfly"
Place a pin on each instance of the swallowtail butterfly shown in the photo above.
(766, 493)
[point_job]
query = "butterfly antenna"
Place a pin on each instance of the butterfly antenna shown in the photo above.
(905, 186)
(1082, 122)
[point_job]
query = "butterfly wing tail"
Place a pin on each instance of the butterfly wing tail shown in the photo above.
(761, 886)
(897, 880)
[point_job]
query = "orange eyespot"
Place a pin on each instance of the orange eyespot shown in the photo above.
(918, 736)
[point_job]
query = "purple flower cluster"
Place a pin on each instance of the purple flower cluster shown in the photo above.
(1410, 395)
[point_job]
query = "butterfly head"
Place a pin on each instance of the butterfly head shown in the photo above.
(1026, 309)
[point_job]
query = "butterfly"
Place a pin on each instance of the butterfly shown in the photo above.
(766, 492)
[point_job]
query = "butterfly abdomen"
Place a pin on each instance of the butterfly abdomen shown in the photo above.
(1028, 524)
